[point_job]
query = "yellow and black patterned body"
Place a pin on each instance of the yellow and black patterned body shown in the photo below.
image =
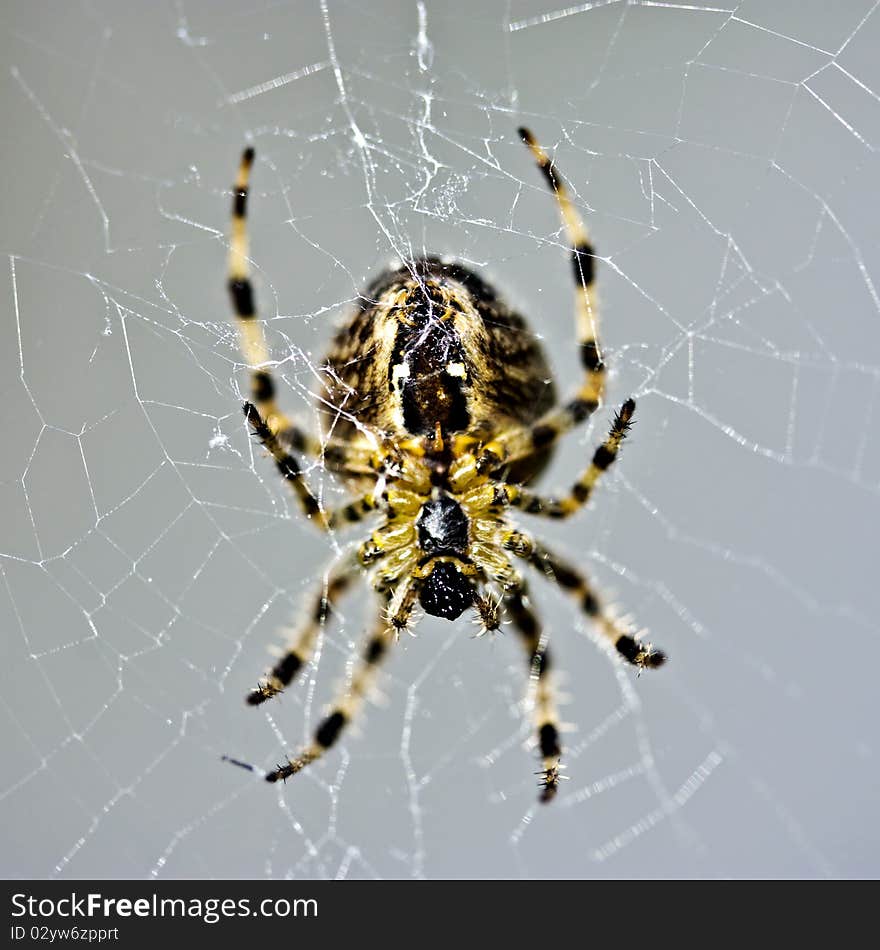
(433, 349)
(441, 410)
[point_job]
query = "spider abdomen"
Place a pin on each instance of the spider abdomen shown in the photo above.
(433, 347)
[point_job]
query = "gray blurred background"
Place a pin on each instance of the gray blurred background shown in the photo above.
(727, 165)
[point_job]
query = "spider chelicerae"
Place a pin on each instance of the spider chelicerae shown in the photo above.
(449, 411)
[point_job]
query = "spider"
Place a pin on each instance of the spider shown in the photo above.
(449, 411)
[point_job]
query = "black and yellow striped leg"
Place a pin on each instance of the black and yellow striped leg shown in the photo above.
(301, 648)
(251, 337)
(287, 464)
(603, 458)
(345, 706)
(573, 581)
(583, 265)
(546, 718)
(402, 602)
(291, 471)
(519, 443)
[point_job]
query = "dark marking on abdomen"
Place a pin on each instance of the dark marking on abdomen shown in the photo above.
(430, 394)
(429, 401)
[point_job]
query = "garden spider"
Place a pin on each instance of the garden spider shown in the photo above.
(449, 412)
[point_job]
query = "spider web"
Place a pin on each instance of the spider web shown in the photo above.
(725, 157)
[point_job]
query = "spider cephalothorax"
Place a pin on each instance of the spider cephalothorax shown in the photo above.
(447, 412)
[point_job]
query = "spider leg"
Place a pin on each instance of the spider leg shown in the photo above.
(252, 339)
(603, 458)
(284, 671)
(338, 455)
(402, 603)
(345, 706)
(290, 469)
(523, 441)
(546, 718)
(574, 582)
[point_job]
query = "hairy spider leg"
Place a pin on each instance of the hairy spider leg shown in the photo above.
(580, 493)
(525, 440)
(575, 583)
(291, 471)
(252, 340)
(546, 718)
(345, 706)
(253, 345)
(302, 645)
